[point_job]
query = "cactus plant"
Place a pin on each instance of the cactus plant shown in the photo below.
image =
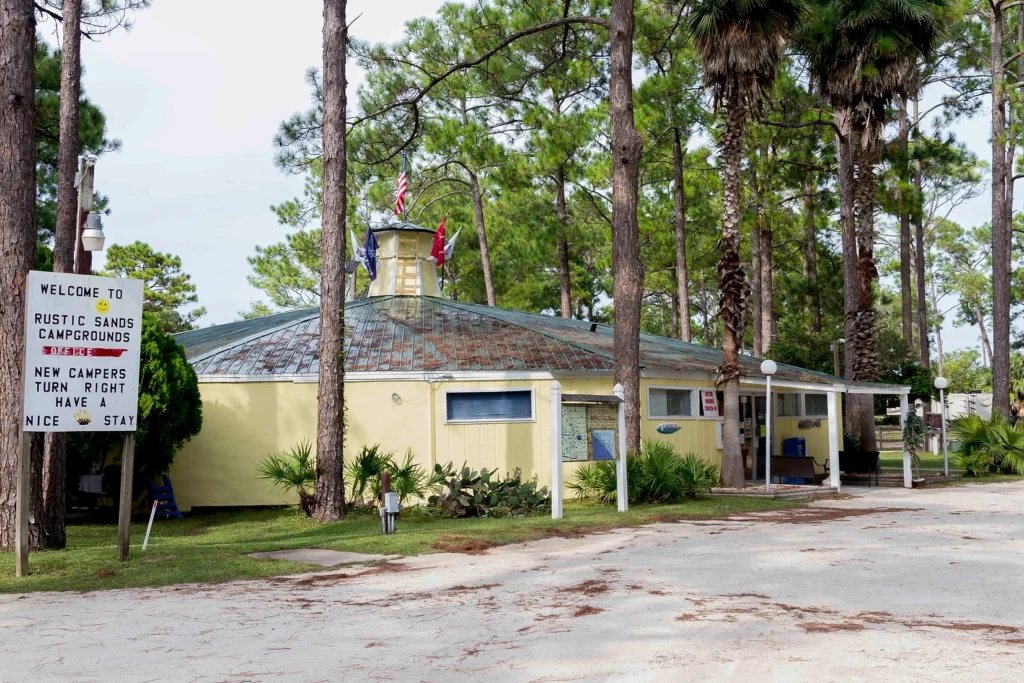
(468, 493)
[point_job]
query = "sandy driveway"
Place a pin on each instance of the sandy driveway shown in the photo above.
(892, 585)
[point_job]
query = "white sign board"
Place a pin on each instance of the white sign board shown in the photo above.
(709, 402)
(83, 337)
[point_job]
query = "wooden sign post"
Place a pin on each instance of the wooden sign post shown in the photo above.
(83, 337)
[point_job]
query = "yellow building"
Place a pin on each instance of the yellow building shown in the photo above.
(457, 382)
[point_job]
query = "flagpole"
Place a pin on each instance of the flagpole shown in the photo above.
(405, 171)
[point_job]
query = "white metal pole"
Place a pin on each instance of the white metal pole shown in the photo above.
(942, 413)
(768, 437)
(556, 450)
(149, 528)
(833, 439)
(908, 479)
(622, 488)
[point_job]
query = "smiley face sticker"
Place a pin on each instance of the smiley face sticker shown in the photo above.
(102, 306)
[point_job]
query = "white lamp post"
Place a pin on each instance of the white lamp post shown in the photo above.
(92, 235)
(941, 384)
(768, 368)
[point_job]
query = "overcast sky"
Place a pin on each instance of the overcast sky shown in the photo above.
(197, 90)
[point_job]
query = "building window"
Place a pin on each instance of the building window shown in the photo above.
(815, 405)
(664, 403)
(489, 406)
(788, 405)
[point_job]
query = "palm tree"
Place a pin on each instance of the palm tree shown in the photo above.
(740, 43)
(864, 55)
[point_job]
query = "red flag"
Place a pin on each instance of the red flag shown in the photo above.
(437, 250)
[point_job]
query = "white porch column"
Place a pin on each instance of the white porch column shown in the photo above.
(622, 486)
(556, 450)
(908, 477)
(833, 438)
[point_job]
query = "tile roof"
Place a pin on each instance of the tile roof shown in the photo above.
(427, 334)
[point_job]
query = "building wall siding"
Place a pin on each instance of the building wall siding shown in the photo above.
(244, 422)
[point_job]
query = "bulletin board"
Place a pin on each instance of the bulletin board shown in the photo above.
(590, 432)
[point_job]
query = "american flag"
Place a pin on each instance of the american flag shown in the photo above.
(403, 182)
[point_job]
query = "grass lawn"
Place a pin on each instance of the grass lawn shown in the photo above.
(894, 459)
(214, 547)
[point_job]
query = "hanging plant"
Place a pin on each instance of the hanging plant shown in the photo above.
(914, 431)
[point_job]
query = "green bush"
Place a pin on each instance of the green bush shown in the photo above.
(293, 469)
(408, 479)
(654, 475)
(476, 494)
(994, 442)
(170, 411)
(975, 463)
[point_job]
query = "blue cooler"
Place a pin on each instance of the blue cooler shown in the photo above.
(795, 446)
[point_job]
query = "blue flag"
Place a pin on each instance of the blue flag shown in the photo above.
(371, 255)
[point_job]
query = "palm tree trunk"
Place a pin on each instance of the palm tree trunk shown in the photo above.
(732, 287)
(906, 287)
(844, 158)
(919, 261)
(1001, 236)
(17, 234)
(866, 356)
(626, 145)
(329, 495)
(682, 274)
(54, 471)
(481, 234)
(811, 253)
(564, 272)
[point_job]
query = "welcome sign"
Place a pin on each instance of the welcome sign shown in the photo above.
(82, 353)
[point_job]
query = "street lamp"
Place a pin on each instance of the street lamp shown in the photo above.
(92, 235)
(941, 384)
(768, 368)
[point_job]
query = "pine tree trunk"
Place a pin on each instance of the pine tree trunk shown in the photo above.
(564, 272)
(54, 471)
(906, 287)
(682, 272)
(866, 356)
(980, 317)
(767, 286)
(673, 302)
(732, 287)
(626, 145)
(938, 328)
(756, 301)
(1001, 236)
(17, 234)
(36, 504)
(844, 158)
(919, 261)
(481, 234)
(708, 342)
(329, 496)
(811, 253)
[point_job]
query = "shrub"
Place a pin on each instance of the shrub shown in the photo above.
(170, 411)
(914, 431)
(293, 469)
(994, 442)
(470, 493)
(697, 476)
(408, 479)
(975, 463)
(654, 475)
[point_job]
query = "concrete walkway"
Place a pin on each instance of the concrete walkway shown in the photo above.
(891, 585)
